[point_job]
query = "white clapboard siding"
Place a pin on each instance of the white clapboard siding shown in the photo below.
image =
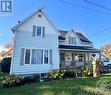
(25, 39)
(49, 42)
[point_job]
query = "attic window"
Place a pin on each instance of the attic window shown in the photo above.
(39, 15)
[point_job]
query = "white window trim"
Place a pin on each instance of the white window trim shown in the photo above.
(43, 56)
(41, 31)
(43, 49)
(72, 40)
(25, 56)
(48, 56)
(30, 56)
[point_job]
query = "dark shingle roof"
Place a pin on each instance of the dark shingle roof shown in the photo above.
(79, 48)
(82, 37)
(61, 38)
(63, 33)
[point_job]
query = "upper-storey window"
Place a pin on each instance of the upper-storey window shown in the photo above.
(38, 31)
(72, 40)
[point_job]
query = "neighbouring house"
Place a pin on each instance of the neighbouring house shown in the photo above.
(39, 47)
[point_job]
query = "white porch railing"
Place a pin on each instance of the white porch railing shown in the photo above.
(72, 64)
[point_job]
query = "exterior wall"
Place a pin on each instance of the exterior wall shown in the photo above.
(39, 21)
(24, 39)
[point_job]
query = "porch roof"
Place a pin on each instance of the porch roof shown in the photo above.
(78, 48)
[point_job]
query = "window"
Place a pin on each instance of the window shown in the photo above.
(27, 56)
(36, 56)
(72, 40)
(46, 57)
(80, 58)
(38, 31)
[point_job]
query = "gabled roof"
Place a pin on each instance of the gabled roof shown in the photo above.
(63, 33)
(27, 18)
(61, 38)
(82, 37)
(24, 20)
(79, 35)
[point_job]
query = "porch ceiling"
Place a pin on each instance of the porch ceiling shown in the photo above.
(78, 48)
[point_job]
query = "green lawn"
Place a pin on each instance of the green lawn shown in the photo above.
(76, 86)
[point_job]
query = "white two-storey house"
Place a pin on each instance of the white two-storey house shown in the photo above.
(39, 47)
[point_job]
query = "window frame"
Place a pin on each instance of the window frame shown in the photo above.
(72, 40)
(43, 56)
(48, 56)
(25, 55)
(81, 58)
(40, 31)
(31, 55)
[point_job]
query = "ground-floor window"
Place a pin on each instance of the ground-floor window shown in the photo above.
(82, 57)
(36, 56)
(27, 56)
(46, 56)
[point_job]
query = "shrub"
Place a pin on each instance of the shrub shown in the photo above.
(31, 79)
(69, 74)
(5, 65)
(55, 74)
(11, 81)
(86, 71)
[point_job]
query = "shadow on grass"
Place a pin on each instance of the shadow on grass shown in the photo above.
(76, 86)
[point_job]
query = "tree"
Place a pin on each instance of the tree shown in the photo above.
(106, 49)
(8, 49)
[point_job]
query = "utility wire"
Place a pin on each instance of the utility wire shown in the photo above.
(99, 32)
(106, 39)
(86, 8)
(101, 6)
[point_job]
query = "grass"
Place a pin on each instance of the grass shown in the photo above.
(76, 86)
